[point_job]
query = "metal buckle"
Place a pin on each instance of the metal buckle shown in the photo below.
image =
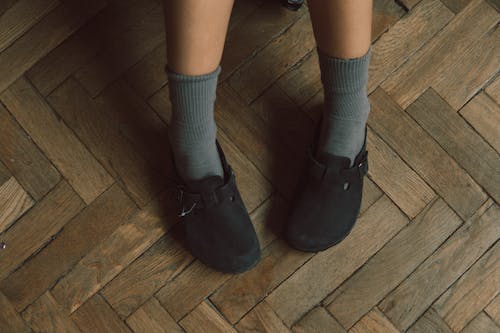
(183, 211)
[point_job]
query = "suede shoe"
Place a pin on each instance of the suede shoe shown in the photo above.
(327, 200)
(217, 226)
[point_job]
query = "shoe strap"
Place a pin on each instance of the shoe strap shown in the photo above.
(190, 200)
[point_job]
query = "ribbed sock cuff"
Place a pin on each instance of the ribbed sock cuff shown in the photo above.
(192, 98)
(344, 75)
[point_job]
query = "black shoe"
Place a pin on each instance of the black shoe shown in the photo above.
(327, 199)
(217, 225)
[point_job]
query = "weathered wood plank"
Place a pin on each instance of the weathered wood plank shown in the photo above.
(375, 322)
(63, 60)
(90, 227)
(458, 139)
(261, 319)
(470, 70)
(403, 185)
(97, 316)
(430, 322)
(99, 129)
(254, 32)
(418, 149)
(393, 263)
(162, 262)
(414, 295)
(318, 320)
(241, 293)
(307, 286)
(493, 309)
(439, 56)
(472, 292)
(493, 89)
(20, 17)
(481, 324)
(111, 256)
(24, 159)
(205, 319)
(123, 52)
(407, 35)
(257, 74)
(14, 201)
(45, 315)
(152, 317)
(56, 140)
(10, 320)
(484, 115)
(38, 226)
(44, 36)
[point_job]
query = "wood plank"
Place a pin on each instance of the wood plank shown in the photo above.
(254, 32)
(99, 128)
(403, 185)
(151, 317)
(240, 294)
(63, 60)
(56, 140)
(318, 320)
(20, 17)
(493, 309)
(45, 315)
(443, 268)
(162, 262)
(257, 74)
(148, 75)
(430, 322)
(24, 159)
(110, 257)
(470, 70)
(408, 249)
(205, 319)
(46, 34)
(481, 324)
(5, 174)
(302, 80)
(14, 202)
(97, 316)
(472, 292)
(385, 14)
(484, 115)
(123, 52)
(375, 322)
(458, 139)
(426, 157)
(493, 89)
(306, 287)
(433, 60)
(456, 5)
(261, 319)
(38, 226)
(10, 320)
(198, 281)
(391, 50)
(90, 227)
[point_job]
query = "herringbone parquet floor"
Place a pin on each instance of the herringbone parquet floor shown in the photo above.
(90, 237)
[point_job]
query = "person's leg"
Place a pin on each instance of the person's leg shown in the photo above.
(195, 31)
(343, 35)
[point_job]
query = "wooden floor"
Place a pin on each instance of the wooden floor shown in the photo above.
(91, 241)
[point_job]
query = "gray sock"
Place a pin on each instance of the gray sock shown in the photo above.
(192, 130)
(346, 105)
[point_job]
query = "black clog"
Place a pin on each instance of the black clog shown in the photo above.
(327, 199)
(217, 226)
